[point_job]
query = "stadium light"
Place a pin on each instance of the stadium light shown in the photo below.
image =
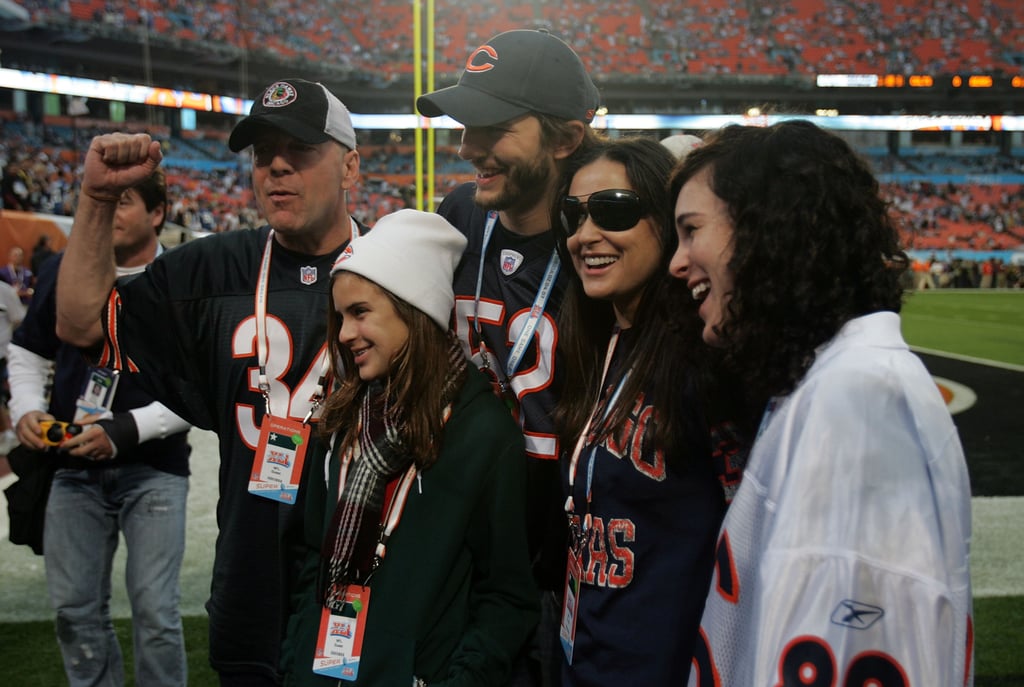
(165, 97)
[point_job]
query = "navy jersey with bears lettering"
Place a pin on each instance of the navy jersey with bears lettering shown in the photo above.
(648, 560)
(514, 268)
(188, 325)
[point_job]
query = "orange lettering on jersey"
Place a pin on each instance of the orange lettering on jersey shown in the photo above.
(620, 568)
(487, 55)
(727, 581)
(656, 469)
(728, 456)
(618, 444)
(597, 566)
(610, 560)
(631, 440)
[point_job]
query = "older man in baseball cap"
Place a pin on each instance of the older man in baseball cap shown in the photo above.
(302, 109)
(229, 333)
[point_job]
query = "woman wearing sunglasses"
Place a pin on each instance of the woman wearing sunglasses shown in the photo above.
(643, 501)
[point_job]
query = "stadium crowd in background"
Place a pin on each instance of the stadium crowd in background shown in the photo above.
(659, 37)
(964, 215)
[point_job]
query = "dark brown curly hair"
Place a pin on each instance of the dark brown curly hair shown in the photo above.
(813, 245)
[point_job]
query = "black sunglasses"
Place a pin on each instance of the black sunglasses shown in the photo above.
(613, 209)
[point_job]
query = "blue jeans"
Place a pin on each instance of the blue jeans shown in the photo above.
(86, 511)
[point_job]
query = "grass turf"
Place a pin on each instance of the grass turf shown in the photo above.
(999, 634)
(33, 660)
(975, 323)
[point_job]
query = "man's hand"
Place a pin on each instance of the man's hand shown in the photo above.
(93, 443)
(28, 430)
(115, 162)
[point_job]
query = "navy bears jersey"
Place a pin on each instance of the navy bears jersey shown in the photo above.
(188, 325)
(514, 268)
(649, 553)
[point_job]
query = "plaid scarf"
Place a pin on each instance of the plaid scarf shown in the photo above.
(377, 458)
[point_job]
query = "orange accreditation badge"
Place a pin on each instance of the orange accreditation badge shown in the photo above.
(277, 465)
(339, 642)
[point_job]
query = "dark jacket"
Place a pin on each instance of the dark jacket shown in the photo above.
(454, 599)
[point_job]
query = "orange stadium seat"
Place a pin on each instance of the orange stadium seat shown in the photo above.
(828, 36)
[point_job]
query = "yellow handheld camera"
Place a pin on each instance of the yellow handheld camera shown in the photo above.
(55, 432)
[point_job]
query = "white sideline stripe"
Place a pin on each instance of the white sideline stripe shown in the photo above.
(997, 542)
(968, 359)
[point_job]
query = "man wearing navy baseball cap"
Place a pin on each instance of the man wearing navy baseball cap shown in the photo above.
(229, 333)
(526, 102)
(515, 73)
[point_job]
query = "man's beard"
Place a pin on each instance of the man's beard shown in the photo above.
(525, 185)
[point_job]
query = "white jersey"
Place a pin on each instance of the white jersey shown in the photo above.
(844, 556)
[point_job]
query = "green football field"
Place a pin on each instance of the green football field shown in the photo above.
(976, 331)
(980, 324)
(978, 327)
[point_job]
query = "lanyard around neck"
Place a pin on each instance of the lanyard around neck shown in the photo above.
(262, 342)
(570, 505)
(540, 302)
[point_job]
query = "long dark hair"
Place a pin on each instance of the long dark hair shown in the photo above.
(664, 358)
(813, 245)
(418, 384)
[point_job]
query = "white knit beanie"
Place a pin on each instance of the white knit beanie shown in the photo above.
(680, 145)
(413, 255)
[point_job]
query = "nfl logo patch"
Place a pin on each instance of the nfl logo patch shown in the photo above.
(510, 261)
(307, 275)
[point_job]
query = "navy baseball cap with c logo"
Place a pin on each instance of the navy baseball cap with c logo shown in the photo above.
(515, 73)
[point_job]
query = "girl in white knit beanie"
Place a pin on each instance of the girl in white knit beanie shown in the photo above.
(418, 511)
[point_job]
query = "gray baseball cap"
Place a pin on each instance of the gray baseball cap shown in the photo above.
(514, 73)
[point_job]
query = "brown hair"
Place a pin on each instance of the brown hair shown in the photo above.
(153, 191)
(415, 384)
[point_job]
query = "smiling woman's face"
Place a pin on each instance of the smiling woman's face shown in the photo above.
(613, 265)
(370, 326)
(705, 248)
